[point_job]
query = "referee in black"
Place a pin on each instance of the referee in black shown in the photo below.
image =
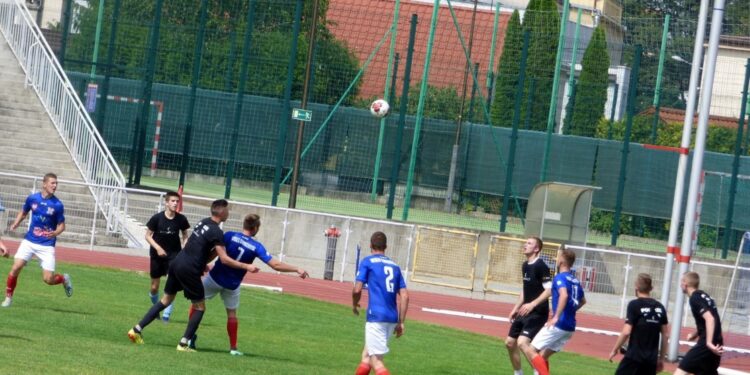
(646, 319)
(186, 270)
(705, 356)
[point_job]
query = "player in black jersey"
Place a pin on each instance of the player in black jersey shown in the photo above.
(705, 356)
(205, 243)
(646, 319)
(531, 311)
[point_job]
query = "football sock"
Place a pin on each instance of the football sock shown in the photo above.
(154, 297)
(382, 371)
(546, 363)
(193, 323)
(363, 369)
(10, 285)
(540, 365)
(58, 279)
(517, 372)
(168, 310)
(232, 324)
(152, 314)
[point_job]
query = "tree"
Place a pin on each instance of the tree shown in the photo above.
(336, 65)
(591, 93)
(543, 22)
(506, 82)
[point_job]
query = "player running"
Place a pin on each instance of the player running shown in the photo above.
(384, 316)
(567, 299)
(47, 222)
(532, 309)
(226, 280)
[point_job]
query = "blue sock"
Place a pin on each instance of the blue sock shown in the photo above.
(154, 298)
(168, 311)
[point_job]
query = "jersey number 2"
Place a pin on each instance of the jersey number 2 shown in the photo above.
(388, 278)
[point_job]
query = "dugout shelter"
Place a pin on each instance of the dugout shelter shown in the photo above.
(560, 212)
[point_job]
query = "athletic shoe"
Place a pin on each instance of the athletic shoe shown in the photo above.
(8, 301)
(185, 348)
(236, 352)
(191, 342)
(165, 318)
(135, 337)
(68, 284)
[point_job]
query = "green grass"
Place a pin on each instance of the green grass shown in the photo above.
(46, 332)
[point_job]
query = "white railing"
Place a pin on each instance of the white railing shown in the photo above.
(44, 73)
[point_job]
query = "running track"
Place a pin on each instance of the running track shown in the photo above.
(590, 344)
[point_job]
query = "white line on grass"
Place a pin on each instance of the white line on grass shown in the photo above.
(269, 288)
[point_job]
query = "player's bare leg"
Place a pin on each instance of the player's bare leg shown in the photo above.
(154, 290)
(376, 361)
(530, 353)
(364, 365)
(514, 353)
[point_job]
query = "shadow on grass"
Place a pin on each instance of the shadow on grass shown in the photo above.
(14, 337)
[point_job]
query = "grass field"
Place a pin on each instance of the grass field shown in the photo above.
(281, 334)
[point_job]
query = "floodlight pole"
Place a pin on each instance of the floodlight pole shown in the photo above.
(696, 170)
(303, 105)
(687, 129)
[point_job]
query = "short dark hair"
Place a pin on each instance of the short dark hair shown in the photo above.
(251, 222)
(643, 283)
(569, 256)
(378, 241)
(218, 206)
(170, 194)
(48, 176)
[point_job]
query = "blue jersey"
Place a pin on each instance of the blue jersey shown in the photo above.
(46, 214)
(243, 249)
(384, 281)
(567, 321)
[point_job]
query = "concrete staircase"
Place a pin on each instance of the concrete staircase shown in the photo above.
(31, 145)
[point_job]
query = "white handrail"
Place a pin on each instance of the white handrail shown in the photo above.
(44, 73)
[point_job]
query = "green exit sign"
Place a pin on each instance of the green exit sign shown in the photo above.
(301, 114)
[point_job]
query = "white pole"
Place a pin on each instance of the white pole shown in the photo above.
(696, 169)
(734, 275)
(687, 128)
(347, 232)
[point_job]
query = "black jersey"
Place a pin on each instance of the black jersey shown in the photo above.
(535, 275)
(205, 237)
(700, 302)
(646, 316)
(167, 232)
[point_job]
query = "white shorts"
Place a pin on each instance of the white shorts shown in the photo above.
(551, 338)
(377, 335)
(231, 297)
(46, 254)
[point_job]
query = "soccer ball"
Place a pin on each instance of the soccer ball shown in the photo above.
(380, 108)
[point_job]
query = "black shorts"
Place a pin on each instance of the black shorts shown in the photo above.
(528, 325)
(632, 367)
(160, 266)
(186, 280)
(700, 360)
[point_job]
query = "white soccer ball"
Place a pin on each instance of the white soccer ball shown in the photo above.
(380, 108)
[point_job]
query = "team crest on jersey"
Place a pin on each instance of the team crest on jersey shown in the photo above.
(50, 211)
(33, 207)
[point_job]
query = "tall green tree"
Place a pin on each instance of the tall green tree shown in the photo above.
(506, 82)
(591, 93)
(336, 65)
(543, 22)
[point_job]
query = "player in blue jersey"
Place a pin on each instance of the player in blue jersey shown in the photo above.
(567, 299)
(225, 280)
(385, 316)
(47, 222)
(204, 244)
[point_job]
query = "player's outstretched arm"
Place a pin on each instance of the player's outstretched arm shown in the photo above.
(284, 267)
(19, 218)
(226, 260)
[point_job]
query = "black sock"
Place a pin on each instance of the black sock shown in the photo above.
(193, 324)
(152, 314)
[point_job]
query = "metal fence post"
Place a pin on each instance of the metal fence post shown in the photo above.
(625, 287)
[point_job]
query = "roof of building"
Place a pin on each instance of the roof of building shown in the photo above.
(674, 115)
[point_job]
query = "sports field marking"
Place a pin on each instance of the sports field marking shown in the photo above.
(265, 287)
(578, 328)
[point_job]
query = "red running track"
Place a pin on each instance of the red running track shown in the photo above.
(590, 344)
